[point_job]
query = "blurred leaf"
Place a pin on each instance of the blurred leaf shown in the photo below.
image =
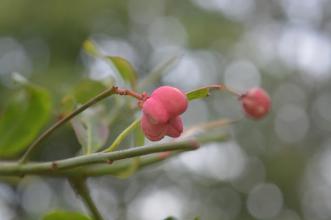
(196, 218)
(97, 132)
(198, 94)
(80, 132)
(125, 69)
(25, 115)
(90, 48)
(156, 74)
(91, 129)
(87, 89)
(68, 104)
(170, 218)
(65, 215)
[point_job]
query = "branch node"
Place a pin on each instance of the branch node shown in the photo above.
(54, 165)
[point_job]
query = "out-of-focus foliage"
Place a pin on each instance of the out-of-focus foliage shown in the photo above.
(27, 111)
(56, 215)
(277, 168)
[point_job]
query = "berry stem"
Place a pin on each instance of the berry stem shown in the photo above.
(106, 93)
(224, 88)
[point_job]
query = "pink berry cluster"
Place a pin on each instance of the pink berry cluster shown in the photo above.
(256, 103)
(161, 113)
(162, 110)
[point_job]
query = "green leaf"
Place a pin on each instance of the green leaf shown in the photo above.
(80, 132)
(90, 48)
(25, 115)
(86, 89)
(65, 215)
(91, 129)
(170, 218)
(198, 94)
(125, 69)
(97, 130)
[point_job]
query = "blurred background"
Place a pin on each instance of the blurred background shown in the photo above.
(277, 168)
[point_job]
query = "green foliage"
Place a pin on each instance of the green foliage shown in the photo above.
(170, 218)
(26, 113)
(90, 127)
(198, 94)
(125, 69)
(65, 215)
(86, 89)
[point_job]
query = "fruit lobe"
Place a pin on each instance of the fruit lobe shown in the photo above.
(256, 103)
(161, 113)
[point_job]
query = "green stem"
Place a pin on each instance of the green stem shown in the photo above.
(16, 169)
(94, 100)
(122, 135)
(80, 187)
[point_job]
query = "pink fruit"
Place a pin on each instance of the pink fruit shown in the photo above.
(256, 103)
(175, 127)
(153, 132)
(173, 100)
(161, 113)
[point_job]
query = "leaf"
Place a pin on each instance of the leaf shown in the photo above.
(80, 132)
(25, 115)
(125, 69)
(90, 48)
(97, 131)
(198, 94)
(91, 129)
(65, 215)
(170, 218)
(86, 89)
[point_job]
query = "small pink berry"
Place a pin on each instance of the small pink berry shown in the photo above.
(174, 101)
(256, 103)
(175, 127)
(155, 111)
(153, 132)
(161, 113)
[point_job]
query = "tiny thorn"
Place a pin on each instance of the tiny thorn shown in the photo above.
(164, 155)
(54, 165)
(195, 145)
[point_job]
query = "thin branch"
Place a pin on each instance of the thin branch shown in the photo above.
(80, 187)
(94, 100)
(122, 136)
(221, 87)
(16, 169)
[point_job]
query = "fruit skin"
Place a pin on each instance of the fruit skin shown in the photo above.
(256, 103)
(161, 113)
